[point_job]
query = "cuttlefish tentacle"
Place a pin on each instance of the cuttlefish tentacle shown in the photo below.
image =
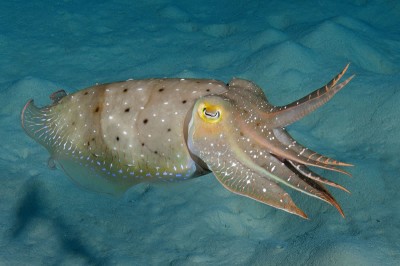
(282, 116)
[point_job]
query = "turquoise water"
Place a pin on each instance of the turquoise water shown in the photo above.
(289, 49)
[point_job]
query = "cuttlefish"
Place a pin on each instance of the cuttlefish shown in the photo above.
(110, 137)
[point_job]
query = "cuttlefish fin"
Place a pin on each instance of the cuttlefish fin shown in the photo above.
(34, 121)
(57, 96)
(284, 115)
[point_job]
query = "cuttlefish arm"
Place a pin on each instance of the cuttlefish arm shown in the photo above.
(251, 154)
(281, 116)
(267, 130)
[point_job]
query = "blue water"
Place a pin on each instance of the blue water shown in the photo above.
(287, 48)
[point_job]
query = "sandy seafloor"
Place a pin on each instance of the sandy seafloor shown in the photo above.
(287, 47)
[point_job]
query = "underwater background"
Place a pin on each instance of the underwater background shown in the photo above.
(289, 48)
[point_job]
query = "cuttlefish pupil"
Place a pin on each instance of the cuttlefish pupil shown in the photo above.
(110, 137)
(211, 114)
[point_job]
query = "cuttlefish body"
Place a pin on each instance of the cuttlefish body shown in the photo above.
(111, 137)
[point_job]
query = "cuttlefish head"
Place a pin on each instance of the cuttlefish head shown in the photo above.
(242, 140)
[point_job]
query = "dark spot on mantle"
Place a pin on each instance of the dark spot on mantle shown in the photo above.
(145, 121)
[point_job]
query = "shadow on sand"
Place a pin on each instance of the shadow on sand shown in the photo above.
(33, 207)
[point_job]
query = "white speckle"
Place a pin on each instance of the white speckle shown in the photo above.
(165, 103)
(273, 168)
(110, 117)
(107, 103)
(139, 89)
(149, 135)
(124, 132)
(248, 182)
(141, 107)
(264, 190)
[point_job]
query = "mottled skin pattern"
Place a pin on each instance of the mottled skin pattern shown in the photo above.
(110, 137)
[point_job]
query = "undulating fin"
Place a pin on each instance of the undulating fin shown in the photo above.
(310, 174)
(304, 152)
(34, 122)
(57, 96)
(285, 115)
(87, 175)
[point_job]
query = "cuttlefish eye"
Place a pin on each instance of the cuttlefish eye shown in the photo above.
(209, 113)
